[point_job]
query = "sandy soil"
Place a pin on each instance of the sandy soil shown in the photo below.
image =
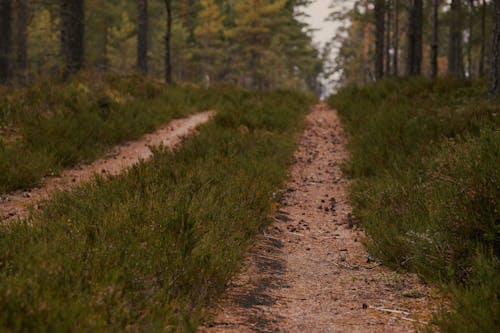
(309, 271)
(17, 204)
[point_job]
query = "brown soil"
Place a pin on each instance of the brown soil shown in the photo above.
(309, 272)
(16, 205)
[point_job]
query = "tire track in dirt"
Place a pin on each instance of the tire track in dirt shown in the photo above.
(17, 204)
(309, 271)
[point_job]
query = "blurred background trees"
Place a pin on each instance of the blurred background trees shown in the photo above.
(430, 38)
(254, 43)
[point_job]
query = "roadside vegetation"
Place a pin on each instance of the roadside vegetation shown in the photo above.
(148, 249)
(426, 186)
(49, 126)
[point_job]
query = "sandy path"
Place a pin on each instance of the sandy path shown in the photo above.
(15, 205)
(309, 271)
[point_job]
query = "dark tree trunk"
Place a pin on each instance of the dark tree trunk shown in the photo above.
(5, 40)
(482, 54)
(72, 35)
(395, 59)
(415, 27)
(388, 39)
(435, 38)
(168, 50)
(455, 57)
(379, 38)
(495, 64)
(22, 33)
(142, 35)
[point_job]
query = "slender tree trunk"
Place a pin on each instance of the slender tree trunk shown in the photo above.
(22, 46)
(142, 35)
(495, 64)
(455, 57)
(5, 41)
(435, 39)
(395, 59)
(168, 51)
(388, 39)
(470, 69)
(72, 35)
(482, 54)
(415, 27)
(379, 38)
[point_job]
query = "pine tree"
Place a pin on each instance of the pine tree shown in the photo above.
(209, 33)
(5, 40)
(455, 57)
(379, 38)
(72, 35)
(21, 40)
(414, 48)
(142, 35)
(252, 35)
(495, 64)
(434, 38)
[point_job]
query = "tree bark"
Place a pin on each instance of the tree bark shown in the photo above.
(142, 35)
(455, 57)
(470, 69)
(22, 34)
(435, 39)
(388, 39)
(379, 38)
(415, 27)
(5, 40)
(395, 59)
(482, 54)
(72, 35)
(495, 64)
(168, 50)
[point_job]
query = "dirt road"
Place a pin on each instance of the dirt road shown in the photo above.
(16, 205)
(309, 271)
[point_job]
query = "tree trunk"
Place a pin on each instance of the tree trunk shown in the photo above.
(168, 51)
(395, 59)
(435, 39)
(22, 34)
(142, 35)
(455, 57)
(495, 64)
(379, 38)
(5, 40)
(72, 35)
(482, 54)
(415, 27)
(470, 69)
(388, 39)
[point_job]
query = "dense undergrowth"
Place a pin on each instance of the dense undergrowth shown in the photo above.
(425, 159)
(146, 250)
(50, 126)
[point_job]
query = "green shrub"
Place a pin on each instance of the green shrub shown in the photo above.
(62, 124)
(426, 184)
(147, 250)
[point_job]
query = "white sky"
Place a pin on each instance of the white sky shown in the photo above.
(318, 12)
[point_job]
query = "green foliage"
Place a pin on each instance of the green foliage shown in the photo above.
(222, 41)
(147, 250)
(425, 163)
(60, 125)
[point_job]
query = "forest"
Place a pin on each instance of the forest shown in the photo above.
(214, 166)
